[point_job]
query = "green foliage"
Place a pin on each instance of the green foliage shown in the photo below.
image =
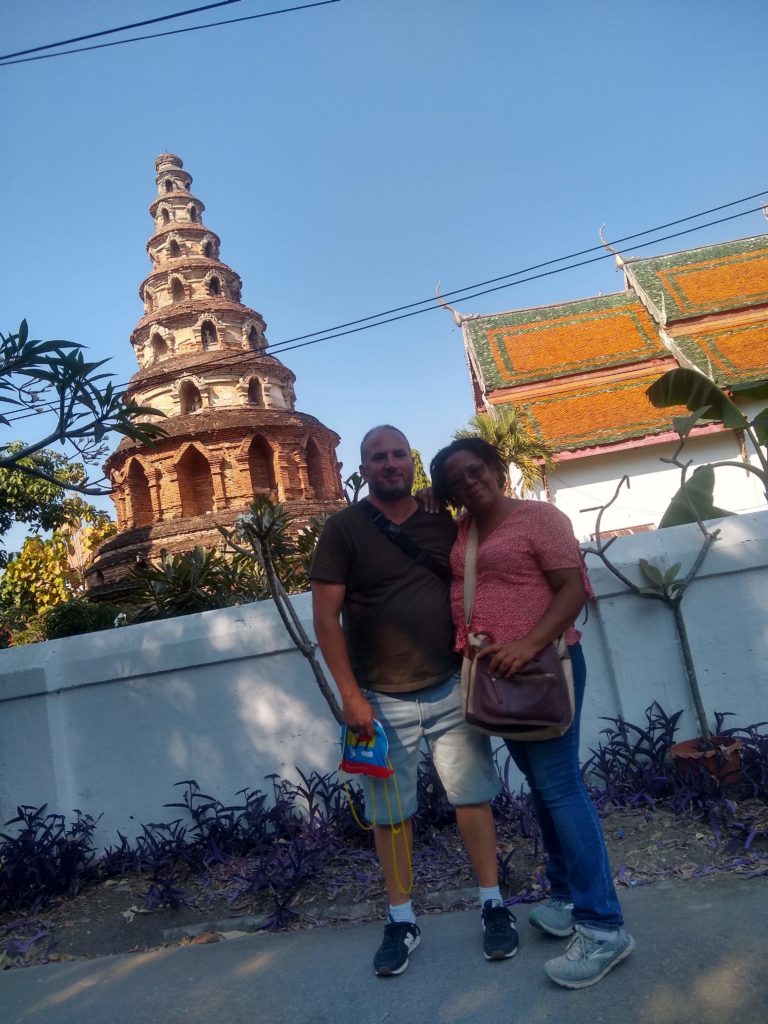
(79, 399)
(49, 571)
(420, 478)
(666, 583)
(36, 501)
(706, 402)
(36, 579)
(698, 491)
(75, 617)
(352, 487)
(194, 581)
(510, 430)
(269, 530)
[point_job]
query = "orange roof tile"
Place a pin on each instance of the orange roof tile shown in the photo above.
(703, 281)
(599, 413)
(557, 341)
(735, 354)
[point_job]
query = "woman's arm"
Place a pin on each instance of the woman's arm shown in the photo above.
(567, 601)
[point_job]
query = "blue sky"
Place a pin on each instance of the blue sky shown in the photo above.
(352, 155)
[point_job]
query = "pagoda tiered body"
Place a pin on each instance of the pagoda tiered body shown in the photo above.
(232, 428)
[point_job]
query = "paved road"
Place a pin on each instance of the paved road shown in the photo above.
(701, 958)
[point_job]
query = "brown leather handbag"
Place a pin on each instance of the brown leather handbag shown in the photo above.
(537, 703)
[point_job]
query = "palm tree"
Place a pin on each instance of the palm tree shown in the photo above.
(510, 430)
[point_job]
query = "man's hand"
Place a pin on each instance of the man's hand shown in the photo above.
(506, 659)
(358, 714)
(426, 498)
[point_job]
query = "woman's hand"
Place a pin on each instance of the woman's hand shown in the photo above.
(506, 659)
(426, 498)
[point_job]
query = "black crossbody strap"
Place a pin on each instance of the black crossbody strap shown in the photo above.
(399, 537)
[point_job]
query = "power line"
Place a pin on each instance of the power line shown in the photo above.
(121, 28)
(536, 266)
(171, 32)
(294, 343)
(287, 346)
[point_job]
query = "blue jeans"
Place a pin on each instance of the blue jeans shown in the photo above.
(577, 860)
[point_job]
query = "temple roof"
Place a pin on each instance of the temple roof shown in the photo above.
(592, 413)
(581, 368)
(704, 281)
(528, 345)
(736, 354)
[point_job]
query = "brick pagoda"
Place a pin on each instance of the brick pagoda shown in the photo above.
(233, 430)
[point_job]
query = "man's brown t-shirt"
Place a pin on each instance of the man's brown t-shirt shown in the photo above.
(396, 614)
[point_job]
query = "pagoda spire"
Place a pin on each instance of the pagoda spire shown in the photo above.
(229, 408)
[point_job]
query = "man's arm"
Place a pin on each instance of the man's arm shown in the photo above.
(327, 601)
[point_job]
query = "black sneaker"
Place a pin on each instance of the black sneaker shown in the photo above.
(500, 934)
(400, 939)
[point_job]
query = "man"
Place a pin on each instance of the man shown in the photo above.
(394, 661)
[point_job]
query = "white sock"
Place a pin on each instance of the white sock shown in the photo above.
(490, 892)
(598, 935)
(403, 912)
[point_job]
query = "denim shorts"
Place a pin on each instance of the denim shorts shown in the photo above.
(462, 756)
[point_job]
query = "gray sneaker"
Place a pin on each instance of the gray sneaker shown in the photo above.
(586, 961)
(555, 917)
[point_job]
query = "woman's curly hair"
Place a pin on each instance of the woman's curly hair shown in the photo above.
(484, 451)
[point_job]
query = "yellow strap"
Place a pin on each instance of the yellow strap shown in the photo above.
(393, 829)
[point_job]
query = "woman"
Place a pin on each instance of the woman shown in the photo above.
(530, 586)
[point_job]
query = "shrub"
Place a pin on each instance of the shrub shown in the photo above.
(74, 617)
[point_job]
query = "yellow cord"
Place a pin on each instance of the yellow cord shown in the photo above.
(393, 829)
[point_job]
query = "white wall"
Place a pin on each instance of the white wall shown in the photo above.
(108, 722)
(580, 484)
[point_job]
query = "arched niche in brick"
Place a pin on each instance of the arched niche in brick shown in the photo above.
(315, 469)
(261, 466)
(193, 474)
(190, 397)
(208, 333)
(174, 249)
(136, 484)
(255, 392)
(178, 291)
(158, 344)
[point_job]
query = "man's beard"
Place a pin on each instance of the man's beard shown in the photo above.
(390, 491)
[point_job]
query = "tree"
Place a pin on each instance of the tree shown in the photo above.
(420, 478)
(49, 571)
(510, 430)
(53, 377)
(35, 500)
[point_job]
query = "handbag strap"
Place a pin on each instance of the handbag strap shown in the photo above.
(398, 536)
(470, 572)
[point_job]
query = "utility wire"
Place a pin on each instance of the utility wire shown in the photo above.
(536, 266)
(287, 346)
(293, 343)
(121, 28)
(171, 32)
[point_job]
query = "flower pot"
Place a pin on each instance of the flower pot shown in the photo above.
(722, 759)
